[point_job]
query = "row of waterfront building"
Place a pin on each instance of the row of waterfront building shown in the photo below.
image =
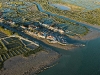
(45, 32)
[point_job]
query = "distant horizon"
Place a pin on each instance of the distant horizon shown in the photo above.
(88, 4)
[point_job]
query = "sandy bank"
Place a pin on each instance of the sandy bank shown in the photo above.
(20, 65)
(91, 35)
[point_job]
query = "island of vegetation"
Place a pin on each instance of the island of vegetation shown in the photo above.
(76, 12)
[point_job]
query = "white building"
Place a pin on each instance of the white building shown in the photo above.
(23, 27)
(45, 25)
(50, 38)
(41, 35)
(1, 20)
(61, 31)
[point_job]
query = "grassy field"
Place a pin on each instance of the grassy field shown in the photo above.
(17, 2)
(89, 16)
(0, 5)
(7, 32)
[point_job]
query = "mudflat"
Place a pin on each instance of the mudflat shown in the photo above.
(20, 65)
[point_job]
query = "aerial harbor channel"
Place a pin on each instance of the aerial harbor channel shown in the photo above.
(77, 61)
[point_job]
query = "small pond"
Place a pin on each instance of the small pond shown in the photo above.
(61, 7)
